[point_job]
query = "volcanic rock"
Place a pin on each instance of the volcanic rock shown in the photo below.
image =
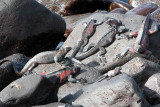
(28, 27)
(119, 91)
(7, 72)
(155, 15)
(135, 3)
(151, 89)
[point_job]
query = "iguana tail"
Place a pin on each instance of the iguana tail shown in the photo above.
(77, 48)
(89, 53)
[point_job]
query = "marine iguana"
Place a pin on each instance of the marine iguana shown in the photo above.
(87, 33)
(138, 50)
(142, 41)
(105, 40)
(45, 58)
(65, 74)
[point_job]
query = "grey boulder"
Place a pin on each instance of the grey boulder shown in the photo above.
(140, 69)
(119, 91)
(151, 89)
(7, 71)
(28, 27)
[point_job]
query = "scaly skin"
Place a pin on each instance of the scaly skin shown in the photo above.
(104, 41)
(87, 33)
(142, 40)
(121, 61)
(65, 74)
(138, 50)
(45, 58)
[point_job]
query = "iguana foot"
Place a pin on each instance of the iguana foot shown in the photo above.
(74, 80)
(102, 60)
(67, 62)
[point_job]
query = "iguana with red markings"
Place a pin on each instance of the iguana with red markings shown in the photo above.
(89, 30)
(66, 74)
(142, 41)
(105, 40)
(45, 58)
(138, 50)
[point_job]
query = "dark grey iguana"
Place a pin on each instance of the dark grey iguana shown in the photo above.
(105, 40)
(89, 30)
(87, 33)
(138, 50)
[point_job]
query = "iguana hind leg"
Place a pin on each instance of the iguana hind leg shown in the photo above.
(74, 80)
(101, 55)
(71, 79)
(86, 40)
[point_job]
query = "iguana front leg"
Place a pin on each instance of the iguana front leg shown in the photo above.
(71, 79)
(74, 80)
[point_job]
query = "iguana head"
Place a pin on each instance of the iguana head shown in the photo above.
(76, 70)
(112, 21)
(61, 54)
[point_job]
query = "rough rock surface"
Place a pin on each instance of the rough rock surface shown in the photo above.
(131, 22)
(151, 89)
(7, 73)
(158, 105)
(90, 74)
(140, 69)
(29, 91)
(155, 15)
(135, 3)
(119, 91)
(72, 21)
(143, 9)
(28, 27)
